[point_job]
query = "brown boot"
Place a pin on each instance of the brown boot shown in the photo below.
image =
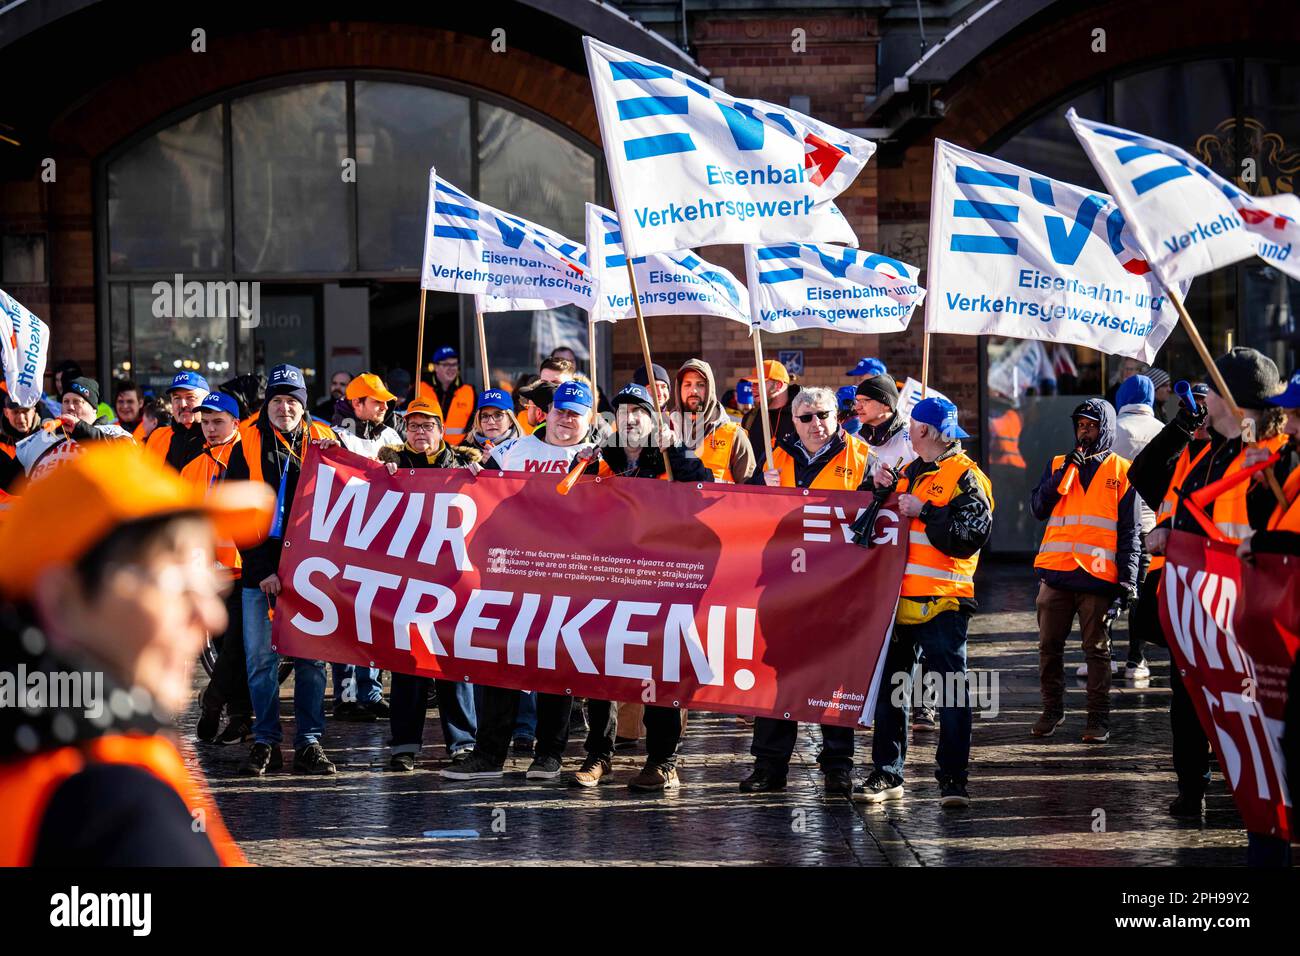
(1096, 732)
(654, 777)
(1046, 725)
(593, 771)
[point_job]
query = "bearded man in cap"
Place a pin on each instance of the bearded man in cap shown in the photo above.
(182, 441)
(271, 450)
(79, 422)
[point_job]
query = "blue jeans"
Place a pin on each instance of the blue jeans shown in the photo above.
(264, 681)
(941, 643)
(369, 689)
(455, 713)
(526, 721)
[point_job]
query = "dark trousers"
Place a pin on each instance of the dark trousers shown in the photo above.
(1057, 609)
(1191, 746)
(941, 643)
(663, 732)
(1138, 616)
(229, 684)
(774, 742)
(500, 712)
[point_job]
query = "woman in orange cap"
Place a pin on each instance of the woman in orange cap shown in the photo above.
(107, 574)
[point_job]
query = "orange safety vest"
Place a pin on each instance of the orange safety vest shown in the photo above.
(844, 472)
(1083, 531)
(1005, 429)
(28, 785)
(455, 422)
(1229, 513)
(160, 442)
(930, 572)
(714, 451)
(1288, 518)
(206, 470)
(1169, 504)
(138, 432)
(251, 437)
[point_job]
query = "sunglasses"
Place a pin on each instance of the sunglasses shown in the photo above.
(823, 415)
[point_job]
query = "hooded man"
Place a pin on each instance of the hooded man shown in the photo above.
(182, 441)
(1087, 560)
(271, 449)
(706, 429)
(79, 422)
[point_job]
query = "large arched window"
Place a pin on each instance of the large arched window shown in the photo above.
(315, 188)
(1223, 110)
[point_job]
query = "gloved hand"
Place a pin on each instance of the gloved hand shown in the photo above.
(1075, 458)
(1190, 420)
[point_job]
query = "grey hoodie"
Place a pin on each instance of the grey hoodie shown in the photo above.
(696, 427)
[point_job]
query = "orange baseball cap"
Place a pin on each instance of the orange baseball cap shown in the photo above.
(369, 385)
(424, 406)
(772, 369)
(63, 514)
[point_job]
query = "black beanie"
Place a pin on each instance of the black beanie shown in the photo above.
(87, 388)
(1251, 376)
(880, 387)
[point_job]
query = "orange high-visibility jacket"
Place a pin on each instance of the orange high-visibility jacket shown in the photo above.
(1083, 530)
(930, 572)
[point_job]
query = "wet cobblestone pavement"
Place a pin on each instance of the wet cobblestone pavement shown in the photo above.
(1034, 802)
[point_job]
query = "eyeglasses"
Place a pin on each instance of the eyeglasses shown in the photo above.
(420, 426)
(823, 415)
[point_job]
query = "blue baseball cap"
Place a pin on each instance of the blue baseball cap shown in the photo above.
(220, 402)
(190, 382)
(444, 352)
(573, 397)
(1291, 397)
(941, 414)
(634, 394)
(846, 394)
(495, 398)
(868, 366)
(286, 380)
(744, 392)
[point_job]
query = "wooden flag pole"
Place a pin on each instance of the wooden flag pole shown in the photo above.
(649, 365)
(482, 346)
(757, 335)
(925, 362)
(1247, 426)
(591, 350)
(419, 349)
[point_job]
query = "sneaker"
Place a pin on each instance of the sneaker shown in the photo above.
(877, 788)
(924, 720)
(594, 770)
(763, 780)
(377, 708)
(1188, 805)
(460, 756)
(209, 721)
(625, 743)
(953, 794)
(653, 778)
(543, 768)
(1046, 725)
(238, 729)
(839, 783)
(523, 746)
(1095, 732)
(1138, 671)
(311, 759)
(403, 762)
(473, 767)
(262, 758)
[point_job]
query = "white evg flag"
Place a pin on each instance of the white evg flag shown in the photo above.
(801, 285)
(691, 166)
(1016, 253)
(1186, 218)
(473, 248)
(668, 283)
(24, 347)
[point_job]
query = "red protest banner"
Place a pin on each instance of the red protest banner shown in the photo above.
(736, 599)
(1219, 614)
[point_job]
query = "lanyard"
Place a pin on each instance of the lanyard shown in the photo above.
(277, 529)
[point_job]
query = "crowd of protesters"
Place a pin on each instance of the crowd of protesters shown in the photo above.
(1109, 500)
